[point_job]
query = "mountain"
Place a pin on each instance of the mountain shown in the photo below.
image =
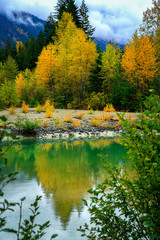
(102, 43)
(18, 26)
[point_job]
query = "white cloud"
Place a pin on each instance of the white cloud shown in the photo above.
(113, 19)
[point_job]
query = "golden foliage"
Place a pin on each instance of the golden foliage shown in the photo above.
(12, 110)
(45, 65)
(39, 108)
(139, 62)
(45, 123)
(107, 117)
(68, 118)
(76, 123)
(49, 113)
(19, 45)
(20, 83)
(95, 122)
(49, 105)
(109, 108)
(25, 107)
(129, 117)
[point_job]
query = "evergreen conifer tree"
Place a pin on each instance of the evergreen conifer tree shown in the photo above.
(49, 29)
(70, 7)
(89, 30)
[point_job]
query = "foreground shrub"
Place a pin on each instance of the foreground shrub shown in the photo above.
(46, 106)
(49, 113)
(68, 119)
(125, 207)
(109, 108)
(76, 123)
(25, 107)
(12, 110)
(27, 126)
(97, 101)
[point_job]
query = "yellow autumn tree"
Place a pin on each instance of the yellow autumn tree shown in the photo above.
(64, 68)
(45, 65)
(110, 68)
(76, 56)
(26, 85)
(19, 45)
(139, 63)
(83, 59)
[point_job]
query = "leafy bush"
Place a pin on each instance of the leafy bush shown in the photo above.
(25, 107)
(46, 106)
(49, 113)
(12, 110)
(97, 101)
(33, 103)
(109, 108)
(8, 94)
(68, 118)
(27, 126)
(76, 123)
(125, 207)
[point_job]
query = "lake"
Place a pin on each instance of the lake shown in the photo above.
(61, 172)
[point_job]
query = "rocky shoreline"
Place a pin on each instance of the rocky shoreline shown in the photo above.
(69, 131)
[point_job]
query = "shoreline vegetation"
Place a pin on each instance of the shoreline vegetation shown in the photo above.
(65, 123)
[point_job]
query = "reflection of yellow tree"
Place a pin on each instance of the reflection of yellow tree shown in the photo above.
(68, 178)
(66, 169)
(101, 143)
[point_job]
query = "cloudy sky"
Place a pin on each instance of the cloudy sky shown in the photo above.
(114, 19)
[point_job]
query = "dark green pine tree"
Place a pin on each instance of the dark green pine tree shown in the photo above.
(85, 24)
(30, 54)
(39, 44)
(95, 83)
(49, 29)
(70, 7)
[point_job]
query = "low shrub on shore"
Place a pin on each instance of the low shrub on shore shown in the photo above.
(25, 107)
(27, 126)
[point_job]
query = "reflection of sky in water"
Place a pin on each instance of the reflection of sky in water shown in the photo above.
(62, 173)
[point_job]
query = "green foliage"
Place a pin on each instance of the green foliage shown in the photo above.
(127, 205)
(97, 101)
(68, 6)
(8, 95)
(27, 126)
(10, 69)
(84, 18)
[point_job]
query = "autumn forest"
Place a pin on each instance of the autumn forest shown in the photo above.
(64, 64)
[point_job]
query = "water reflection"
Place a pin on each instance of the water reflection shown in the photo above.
(66, 170)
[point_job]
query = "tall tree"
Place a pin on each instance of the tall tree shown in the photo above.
(85, 24)
(151, 28)
(139, 63)
(110, 68)
(45, 68)
(151, 20)
(68, 6)
(49, 29)
(65, 67)
(10, 69)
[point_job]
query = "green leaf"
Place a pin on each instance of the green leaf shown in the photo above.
(54, 236)
(3, 118)
(9, 230)
(23, 199)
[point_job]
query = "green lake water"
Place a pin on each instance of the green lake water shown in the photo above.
(61, 172)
